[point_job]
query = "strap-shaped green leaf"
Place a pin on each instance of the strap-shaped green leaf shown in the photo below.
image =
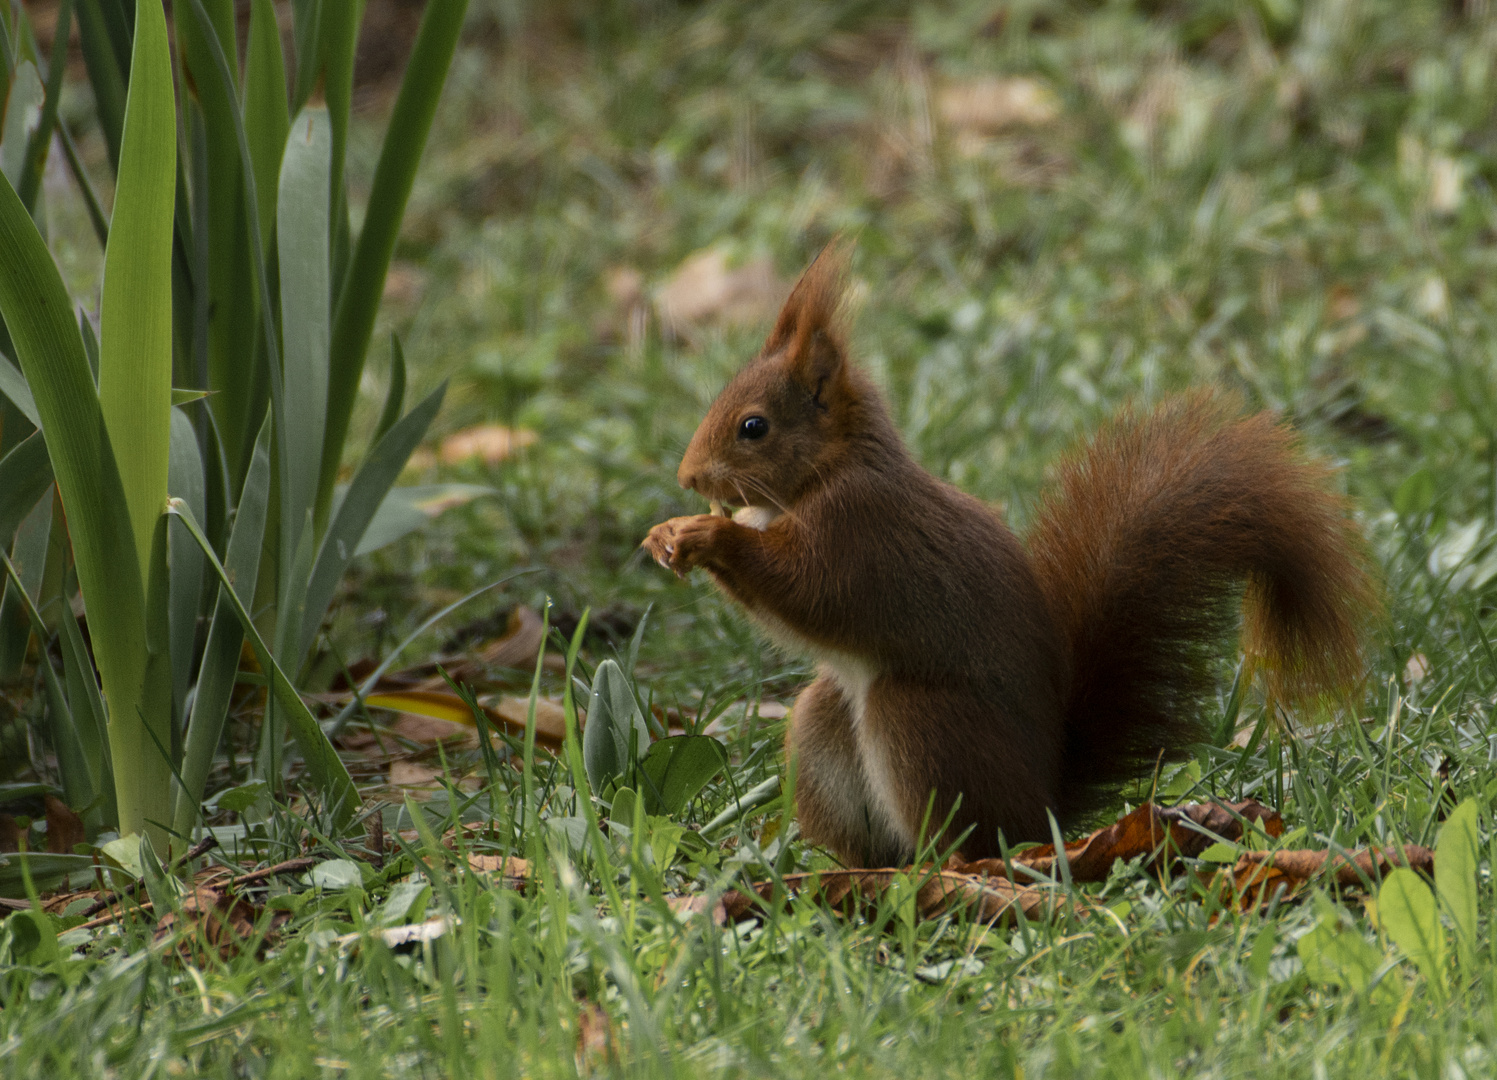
(36, 308)
(209, 57)
(41, 138)
(323, 764)
(353, 319)
(302, 242)
(25, 473)
(135, 312)
(105, 37)
(266, 117)
(216, 674)
(368, 489)
(13, 386)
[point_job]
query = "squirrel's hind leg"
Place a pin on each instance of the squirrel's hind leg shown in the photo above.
(833, 801)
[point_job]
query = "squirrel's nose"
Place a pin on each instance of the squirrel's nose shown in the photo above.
(685, 477)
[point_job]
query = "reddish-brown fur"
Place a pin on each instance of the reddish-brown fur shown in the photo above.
(962, 674)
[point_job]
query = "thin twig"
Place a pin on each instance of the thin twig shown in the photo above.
(290, 866)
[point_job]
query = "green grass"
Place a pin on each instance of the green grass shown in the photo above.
(1262, 197)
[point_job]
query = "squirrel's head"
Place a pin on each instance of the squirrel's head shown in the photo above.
(782, 421)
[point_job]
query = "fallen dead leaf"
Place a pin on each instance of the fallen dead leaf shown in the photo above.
(625, 285)
(988, 899)
(1258, 875)
(64, 828)
(550, 718)
(508, 713)
(405, 937)
(1141, 832)
(404, 282)
(988, 105)
(413, 774)
(684, 907)
(213, 919)
(515, 649)
(707, 289)
(432, 730)
(595, 1039)
(513, 871)
(489, 443)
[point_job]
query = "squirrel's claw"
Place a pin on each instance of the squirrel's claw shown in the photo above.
(678, 544)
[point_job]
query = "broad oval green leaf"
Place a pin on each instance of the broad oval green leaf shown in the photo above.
(1406, 909)
(615, 738)
(676, 769)
(1457, 852)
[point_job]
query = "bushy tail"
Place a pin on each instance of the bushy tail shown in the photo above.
(1151, 538)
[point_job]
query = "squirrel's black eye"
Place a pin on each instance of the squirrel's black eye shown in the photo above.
(753, 427)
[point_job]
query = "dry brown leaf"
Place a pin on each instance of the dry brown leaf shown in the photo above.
(413, 774)
(64, 828)
(404, 282)
(684, 907)
(595, 1039)
(431, 730)
(213, 919)
(706, 289)
(489, 443)
(520, 643)
(550, 718)
(1258, 875)
(508, 713)
(1140, 832)
(989, 899)
(513, 871)
(990, 104)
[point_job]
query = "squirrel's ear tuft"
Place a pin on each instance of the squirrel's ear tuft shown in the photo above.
(809, 331)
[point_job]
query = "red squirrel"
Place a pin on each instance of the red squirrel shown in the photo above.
(963, 672)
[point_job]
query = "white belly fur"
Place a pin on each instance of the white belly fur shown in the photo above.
(854, 676)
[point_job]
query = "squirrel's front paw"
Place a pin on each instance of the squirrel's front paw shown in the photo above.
(684, 542)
